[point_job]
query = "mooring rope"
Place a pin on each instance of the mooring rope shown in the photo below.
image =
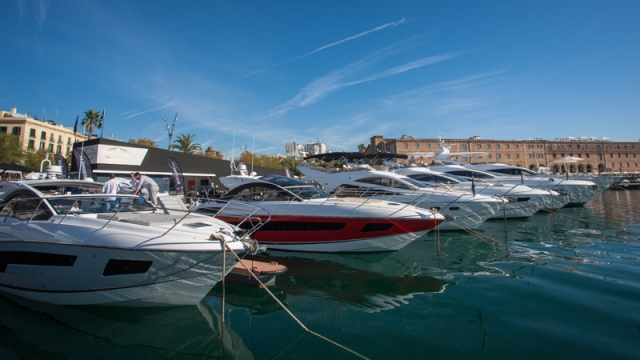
(263, 286)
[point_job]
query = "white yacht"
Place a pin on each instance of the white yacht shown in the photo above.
(523, 200)
(63, 242)
(462, 209)
(579, 191)
(300, 217)
(603, 182)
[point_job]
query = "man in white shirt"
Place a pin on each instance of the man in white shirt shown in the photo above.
(110, 187)
(147, 183)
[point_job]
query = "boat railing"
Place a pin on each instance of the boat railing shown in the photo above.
(111, 208)
(409, 197)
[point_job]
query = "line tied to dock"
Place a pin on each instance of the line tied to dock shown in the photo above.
(263, 286)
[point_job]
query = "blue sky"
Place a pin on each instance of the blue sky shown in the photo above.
(272, 72)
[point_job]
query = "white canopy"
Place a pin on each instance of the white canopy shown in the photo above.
(567, 159)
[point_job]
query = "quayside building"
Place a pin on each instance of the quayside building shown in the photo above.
(599, 154)
(34, 134)
(107, 156)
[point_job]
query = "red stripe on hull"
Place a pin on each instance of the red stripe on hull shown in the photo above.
(351, 231)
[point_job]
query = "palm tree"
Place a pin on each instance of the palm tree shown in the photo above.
(186, 144)
(362, 148)
(91, 119)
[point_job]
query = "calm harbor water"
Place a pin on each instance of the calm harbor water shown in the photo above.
(563, 285)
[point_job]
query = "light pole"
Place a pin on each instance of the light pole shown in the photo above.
(171, 129)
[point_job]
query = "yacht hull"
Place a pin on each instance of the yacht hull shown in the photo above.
(338, 234)
(68, 274)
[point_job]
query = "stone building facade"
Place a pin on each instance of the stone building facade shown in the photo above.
(35, 134)
(599, 154)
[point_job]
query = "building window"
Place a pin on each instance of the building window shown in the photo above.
(69, 140)
(515, 146)
(497, 146)
(51, 147)
(508, 156)
(59, 138)
(488, 156)
(506, 146)
(68, 150)
(58, 149)
(479, 146)
(463, 147)
(32, 133)
(497, 156)
(488, 146)
(417, 145)
(31, 145)
(51, 138)
(16, 131)
(3, 129)
(43, 135)
(428, 146)
(517, 156)
(42, 145)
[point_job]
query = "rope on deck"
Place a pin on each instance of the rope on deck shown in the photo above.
(281, 305)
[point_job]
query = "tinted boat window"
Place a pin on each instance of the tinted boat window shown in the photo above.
(308, 192)
(26, 209)
(467, 173)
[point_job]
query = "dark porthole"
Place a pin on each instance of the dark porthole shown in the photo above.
(125, 267)
(376, 227)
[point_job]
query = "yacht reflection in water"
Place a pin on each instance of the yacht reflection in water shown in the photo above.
(368, 282)
(37, 330)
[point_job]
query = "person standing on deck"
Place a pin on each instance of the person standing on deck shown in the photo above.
(110, 187)
(147, 183)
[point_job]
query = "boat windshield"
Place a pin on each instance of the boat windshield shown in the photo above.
(307, 192)
(514, 171)
(432, 178)
(97, 204)
(404, 183)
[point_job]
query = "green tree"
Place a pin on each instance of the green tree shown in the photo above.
(144, 142)
(293, 165)
(91, 119)
(34, 159)
(362, 148)
(210, 153)
(186, 144)
(10, 149)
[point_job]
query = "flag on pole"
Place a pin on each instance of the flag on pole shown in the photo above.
(102, 121)
(176, 174)
(75, 127)
(102, 118)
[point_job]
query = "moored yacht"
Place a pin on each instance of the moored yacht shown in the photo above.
(579, 192)
(523, 200)
(86, 248)
(603, 182)
(463, 210)
(303, 218)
